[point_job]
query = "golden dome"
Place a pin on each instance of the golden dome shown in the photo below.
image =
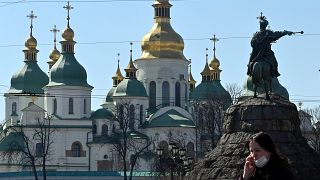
(31, 43)
(162, 41)
(68, 34)
(54, 55)
(215, 63)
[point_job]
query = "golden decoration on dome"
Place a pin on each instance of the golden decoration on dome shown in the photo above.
(206, 70)
(162, 41)
(118, 75)
(131, 67)
(31, 42)
(191, 79)
(214, 63)
(54, 54)
(68, 33)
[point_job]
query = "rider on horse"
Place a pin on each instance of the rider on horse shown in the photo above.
(261, 47)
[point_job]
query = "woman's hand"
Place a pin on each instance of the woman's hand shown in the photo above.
(249, 168)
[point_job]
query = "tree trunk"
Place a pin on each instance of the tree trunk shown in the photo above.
(44, 171)
(34, 169)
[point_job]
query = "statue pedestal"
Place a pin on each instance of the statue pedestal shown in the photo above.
(279, 118)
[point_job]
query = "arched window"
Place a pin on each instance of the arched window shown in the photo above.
(178, 94)
(120, 115)
(14, 109)
(70, 106)
(94, 129)
(164, 145)
(190, 150)
(165, 93)
(84, 106)
(39, 150)
(104, 130)
(141, 114)
(76, 149)
(55, 106)
(185, 93)
(113, 128)
(131, 117)
(152, 94)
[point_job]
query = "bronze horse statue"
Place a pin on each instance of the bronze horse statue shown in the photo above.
(261, 77)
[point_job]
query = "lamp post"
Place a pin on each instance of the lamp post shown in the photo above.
(176, 160)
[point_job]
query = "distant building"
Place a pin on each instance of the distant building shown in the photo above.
(158, 87)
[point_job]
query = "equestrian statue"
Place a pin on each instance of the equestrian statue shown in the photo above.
(263, 65)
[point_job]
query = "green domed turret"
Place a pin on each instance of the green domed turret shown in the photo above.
(67, 70)
(130, 86)
(29, 78)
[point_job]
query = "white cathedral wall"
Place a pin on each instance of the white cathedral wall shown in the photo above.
(22, 102)
(160, 70)
(62, 94)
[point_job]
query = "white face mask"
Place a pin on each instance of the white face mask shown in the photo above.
(261, 161)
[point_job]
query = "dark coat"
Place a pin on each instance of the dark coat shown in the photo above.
(272, 171)
(261, 50)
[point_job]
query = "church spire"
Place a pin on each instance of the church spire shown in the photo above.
(54, 54)
(117, 78)
(206, 72)
(68, 34)
(30, 51)
(215, 63)
(192, 82)
(131, 69)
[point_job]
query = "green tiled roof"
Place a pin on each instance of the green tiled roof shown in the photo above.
(10, 142)
(171, 118)
(110, 94)
(130, 87)
(68, 71)
(29, 78)
(211, 90)
(102, 113)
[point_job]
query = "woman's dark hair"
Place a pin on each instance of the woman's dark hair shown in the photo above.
(266, 142)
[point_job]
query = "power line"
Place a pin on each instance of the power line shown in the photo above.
(137, 41)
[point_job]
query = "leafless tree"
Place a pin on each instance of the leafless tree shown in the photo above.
(208, 116)
(31, 145)
(314, 138)
(235, 91)
(128, 142)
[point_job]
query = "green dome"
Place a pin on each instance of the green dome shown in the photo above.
(211, 89)
(171, 118)
(102, 113)
(130, 87)
(110, 94)
(276, 88)
(68, 71)
(30, 78)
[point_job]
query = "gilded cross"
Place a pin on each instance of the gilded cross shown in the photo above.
(31, 16)
(55, 31)
(68, 7)
(214, 40)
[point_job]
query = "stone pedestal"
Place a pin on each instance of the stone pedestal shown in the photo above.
(279, 118)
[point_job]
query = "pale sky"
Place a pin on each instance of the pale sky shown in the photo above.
(105, 28)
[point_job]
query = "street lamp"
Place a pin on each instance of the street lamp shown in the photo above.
(176, 160)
